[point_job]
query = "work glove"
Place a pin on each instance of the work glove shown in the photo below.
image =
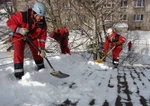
(42, 53)
(118, 43)
(22, 31)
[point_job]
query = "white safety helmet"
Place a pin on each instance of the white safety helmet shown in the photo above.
(39, 8)
(109, 31)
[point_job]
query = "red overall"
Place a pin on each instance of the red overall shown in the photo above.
(38, 37)
(111, 41)
(61, 36)
(129, 46)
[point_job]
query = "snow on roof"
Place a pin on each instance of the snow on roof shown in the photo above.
(121, 25)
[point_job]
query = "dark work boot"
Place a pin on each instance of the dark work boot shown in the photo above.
(19, 72)
(115, 62)
(18, 75)
(41, 67)
(115, 65)
(40, 64)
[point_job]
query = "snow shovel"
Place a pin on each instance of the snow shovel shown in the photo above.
(101, 60)
(57, 74)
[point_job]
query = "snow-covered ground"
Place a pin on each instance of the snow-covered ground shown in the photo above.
(89, 84)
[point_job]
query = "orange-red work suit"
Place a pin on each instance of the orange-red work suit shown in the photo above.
(111, 41)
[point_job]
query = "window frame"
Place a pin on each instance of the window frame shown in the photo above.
(139, 3)
(68, 18)
(138, 17)
(123, 17)
(123, 3)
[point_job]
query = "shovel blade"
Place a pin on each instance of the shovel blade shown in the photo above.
(99, 61)
(59, 74)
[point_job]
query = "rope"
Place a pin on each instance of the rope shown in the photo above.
(10, 43)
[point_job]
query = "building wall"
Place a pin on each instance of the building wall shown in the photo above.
(145, 11)
(130, 11)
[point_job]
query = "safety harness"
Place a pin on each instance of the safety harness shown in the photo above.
(116, 39)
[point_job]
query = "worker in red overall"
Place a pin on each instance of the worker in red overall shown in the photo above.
(29, 23)
(129, 46)
(61, 36)
(114, 39)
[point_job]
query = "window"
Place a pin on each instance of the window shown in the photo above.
(138, 3)
(107, 4)
(123, 3)
(123, 17)
(138, 17)
(108, 18)
(113, 4)
(68, 19)
(67, 5)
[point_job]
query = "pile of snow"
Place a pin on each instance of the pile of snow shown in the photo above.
(2, 11)
(121, 25)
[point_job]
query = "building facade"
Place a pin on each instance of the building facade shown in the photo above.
(135, 13)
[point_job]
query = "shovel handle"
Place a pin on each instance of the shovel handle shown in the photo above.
(53, 70)
(111, 49)
(108, 52)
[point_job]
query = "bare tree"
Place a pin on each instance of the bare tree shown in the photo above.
(95, 12)
(92, 17)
